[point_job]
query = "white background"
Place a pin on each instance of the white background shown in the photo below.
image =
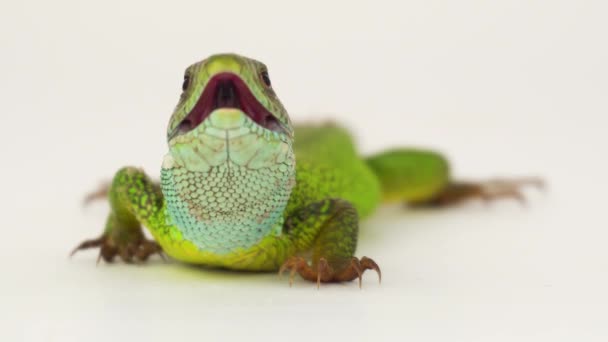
(502, 87)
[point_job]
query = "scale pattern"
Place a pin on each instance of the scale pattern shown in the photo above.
(226, 185)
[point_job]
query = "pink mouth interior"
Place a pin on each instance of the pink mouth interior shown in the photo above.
(227, 90)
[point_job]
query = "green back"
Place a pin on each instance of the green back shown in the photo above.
(328, 166)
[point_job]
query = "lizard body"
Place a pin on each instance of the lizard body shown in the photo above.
(242, 188)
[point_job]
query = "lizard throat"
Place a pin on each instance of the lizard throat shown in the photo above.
(226, 186)
(227, 208)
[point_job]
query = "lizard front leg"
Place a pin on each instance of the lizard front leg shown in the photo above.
(324, 235)
(134, 200)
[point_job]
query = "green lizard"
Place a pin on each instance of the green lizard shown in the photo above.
(242, 188)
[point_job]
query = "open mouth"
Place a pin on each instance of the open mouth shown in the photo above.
(227, 90)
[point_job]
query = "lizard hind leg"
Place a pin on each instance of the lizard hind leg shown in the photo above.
(102, 192)
(134, 199)
(422, 179)
(458, 192)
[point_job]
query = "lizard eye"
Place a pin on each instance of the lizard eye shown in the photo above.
(265, 78)
(186, 82)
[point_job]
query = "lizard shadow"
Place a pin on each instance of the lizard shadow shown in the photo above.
(183, 271)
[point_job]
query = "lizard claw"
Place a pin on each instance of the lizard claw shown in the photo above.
(86, 244)
(508, 188)
(369, 264)
(292, 264)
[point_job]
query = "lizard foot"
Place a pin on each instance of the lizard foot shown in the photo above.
(487, 191)
(129, 251)
(322, 271)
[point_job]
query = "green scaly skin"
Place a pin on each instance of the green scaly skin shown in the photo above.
(237, 195)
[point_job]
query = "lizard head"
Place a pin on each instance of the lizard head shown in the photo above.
(228, 97)
(231, 166)
(228, 83)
